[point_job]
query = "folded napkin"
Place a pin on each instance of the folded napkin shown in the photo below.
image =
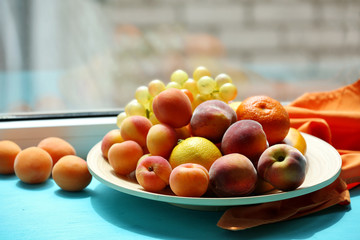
(333, 116)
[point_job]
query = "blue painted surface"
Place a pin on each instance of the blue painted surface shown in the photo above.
(99, 212)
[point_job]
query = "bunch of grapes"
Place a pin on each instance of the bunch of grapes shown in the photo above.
(201, 87)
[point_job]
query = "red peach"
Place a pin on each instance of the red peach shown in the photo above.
(161, 140)
(232, 175)
(110, 138)
(33, 165)
(172, 107)
(283, 166)
(245, 137)
(135, 128)
(123, 157)
(189, 180)
(153, 173)
(211, 119)
(8, 152)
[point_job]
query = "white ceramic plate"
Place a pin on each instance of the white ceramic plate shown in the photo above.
(324, 166)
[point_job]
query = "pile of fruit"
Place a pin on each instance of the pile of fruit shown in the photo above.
(52, 156)
(191, 136)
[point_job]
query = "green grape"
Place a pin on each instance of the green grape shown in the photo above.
(191, 85)
(222, 78)
(142, 95)
(201, 72)
(173, 85)
(120, 118)
(135, 108)
(199, 98)
(206, 85)
(228, 92)
(179, 76)
(155, 87)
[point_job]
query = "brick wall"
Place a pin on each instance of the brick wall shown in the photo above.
(277, 47)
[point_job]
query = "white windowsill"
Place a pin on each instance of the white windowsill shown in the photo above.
(82, 133)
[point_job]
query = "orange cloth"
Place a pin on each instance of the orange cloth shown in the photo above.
(333, 116)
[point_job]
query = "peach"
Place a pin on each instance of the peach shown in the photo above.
(71, 173)
(172, 107)
(135, 128)
(189, 180)
(232, 175)
(283, 166)
(161, 140)
(153, 173)
(211, 119)
(123, 157)
(110, 138)
(8, 152)
(56, 147)
(33, 165)
(245, 137)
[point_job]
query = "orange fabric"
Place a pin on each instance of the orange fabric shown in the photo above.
(333, 116)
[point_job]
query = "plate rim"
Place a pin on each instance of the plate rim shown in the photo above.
(217, 201)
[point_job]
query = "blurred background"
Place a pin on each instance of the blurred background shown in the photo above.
(89, 55)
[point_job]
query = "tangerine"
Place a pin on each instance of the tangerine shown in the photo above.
(270, 113)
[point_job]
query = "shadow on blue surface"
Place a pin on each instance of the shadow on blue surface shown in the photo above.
(37, 187)
(74, 195)
(162, 220)
(7, 176)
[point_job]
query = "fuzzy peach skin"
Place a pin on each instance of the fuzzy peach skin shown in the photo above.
(123, 157)
(110, 138)
(153, 173)
(33, 165)
(57, 147)
(232, 175)
(283, 166)
(135, 128)
(8, 152)
(189, 180)
(161, 140)
(211, 119)
(71, 173)
(172, 107)
(245, 137)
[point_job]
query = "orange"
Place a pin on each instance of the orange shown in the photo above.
(270, 113)
(194, 150)
(295, 139)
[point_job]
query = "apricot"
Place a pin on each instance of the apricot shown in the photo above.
(110, 138)
(56, 147)
(135, 128)
(33, 165)
(8, 152)
(161, 140)
(71, 173)
(189, 180)
(183, 132)
(172, 107)
(232, 175)
(211, 119)
(123, 157)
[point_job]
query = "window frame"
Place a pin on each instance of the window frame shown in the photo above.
(81, 129)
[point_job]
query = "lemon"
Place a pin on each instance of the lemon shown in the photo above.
(195, 150)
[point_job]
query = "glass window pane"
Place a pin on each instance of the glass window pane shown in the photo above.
(91, 55)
